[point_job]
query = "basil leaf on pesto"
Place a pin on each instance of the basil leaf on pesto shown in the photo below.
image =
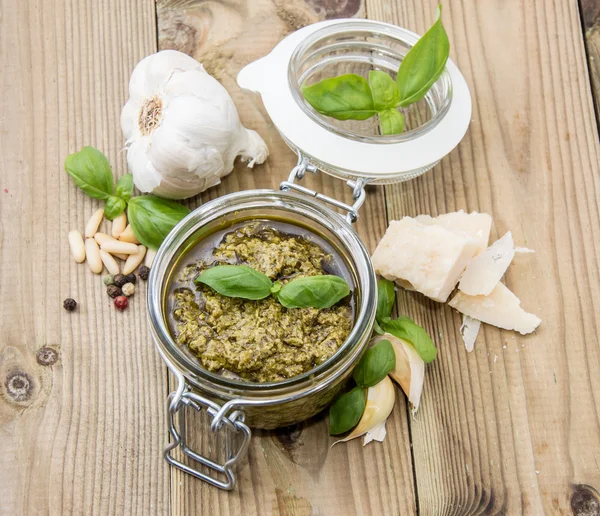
(346, 411)
(405, 328)
(313, 291)
(375, 364)
(236, 281)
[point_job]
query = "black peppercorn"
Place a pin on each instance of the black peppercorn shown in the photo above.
(144, 272)
(119, 280)
(70, 304)
(131, 278)
(113, 291)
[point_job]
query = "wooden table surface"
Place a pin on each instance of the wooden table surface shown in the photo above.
(512, 428)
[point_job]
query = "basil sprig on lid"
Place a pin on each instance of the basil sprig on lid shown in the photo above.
(247, 283)
(352, 97)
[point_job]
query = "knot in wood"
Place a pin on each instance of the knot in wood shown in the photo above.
(46, 356)
(18, 386)
(584, 501)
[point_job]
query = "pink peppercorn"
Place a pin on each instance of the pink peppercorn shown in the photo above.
(121, 302)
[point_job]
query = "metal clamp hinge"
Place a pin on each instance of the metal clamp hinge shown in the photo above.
(231, 425)
(357, 186)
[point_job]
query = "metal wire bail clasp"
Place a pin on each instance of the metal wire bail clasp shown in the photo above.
(231, 426)
(358, 189)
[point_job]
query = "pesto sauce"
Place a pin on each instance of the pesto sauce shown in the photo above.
(259, 341)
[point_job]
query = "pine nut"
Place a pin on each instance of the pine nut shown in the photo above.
(77, 246)
(92, 252)
(94, 223)
(150, 254)
(101, 238)
(128, 235)
(115, 246)
(119, 224)
(134, 260)
(120, 256)
(109, 262)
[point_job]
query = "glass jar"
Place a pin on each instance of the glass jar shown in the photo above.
(346, 150)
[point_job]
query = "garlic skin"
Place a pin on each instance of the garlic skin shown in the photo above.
(409, 372)
(380, 402)
(182, 129)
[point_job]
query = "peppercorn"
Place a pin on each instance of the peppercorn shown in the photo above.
(144, 272)
(69, 304)
(128, 289)
(109, 279)
(119, 280)
(131, 278)
(113, 291)
(121, 302)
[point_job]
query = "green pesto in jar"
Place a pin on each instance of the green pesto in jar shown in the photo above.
(259, 341)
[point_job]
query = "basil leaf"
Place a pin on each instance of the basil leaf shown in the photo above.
(346, 411)
(152, 218)
(344, 97)
(405, 328)
(236, 281)
(91, 172)
(386, 297)
(375, 364)
(391, 121)
(314, 291)
(125, 187)
(384, 90)
(114, 207)
(424, 63)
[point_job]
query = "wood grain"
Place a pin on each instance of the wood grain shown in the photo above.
(82, 435)
(513, 428)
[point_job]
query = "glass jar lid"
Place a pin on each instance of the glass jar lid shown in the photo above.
(352, 149)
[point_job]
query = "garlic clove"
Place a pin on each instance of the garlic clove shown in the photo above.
(380, 402)
(409, 372)
(145, 175)
(375, 434)
(254, 150)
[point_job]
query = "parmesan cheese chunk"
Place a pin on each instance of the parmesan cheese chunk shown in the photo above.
(500, 308)
(484, 271)
(426, 258)
(476, 225)
(469, 331)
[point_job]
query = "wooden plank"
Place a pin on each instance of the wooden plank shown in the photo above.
(513, 428)
(590, 14)
(290, 471)
(83, 435)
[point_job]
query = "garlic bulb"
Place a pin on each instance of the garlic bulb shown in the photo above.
(182, 128)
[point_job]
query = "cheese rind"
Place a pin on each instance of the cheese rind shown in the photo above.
(500, 308)
(476, 225)
(485, 270)
(430, 258)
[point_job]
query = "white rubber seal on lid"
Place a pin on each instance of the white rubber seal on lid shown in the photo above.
(269, 77)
